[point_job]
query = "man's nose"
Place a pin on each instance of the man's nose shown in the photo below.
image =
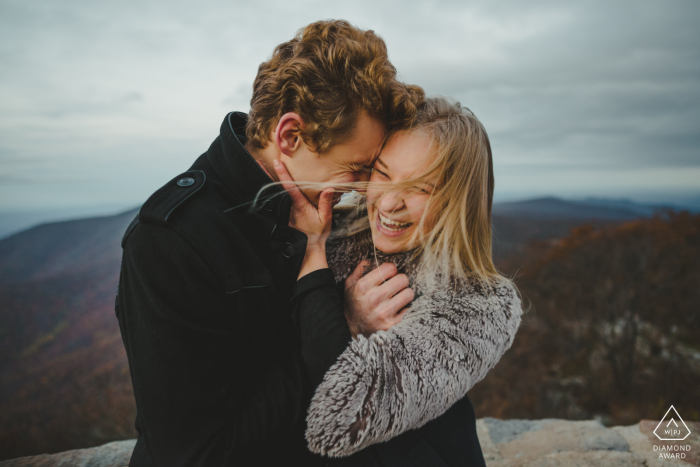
(361, 176)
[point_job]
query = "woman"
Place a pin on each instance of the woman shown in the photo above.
(427, 210)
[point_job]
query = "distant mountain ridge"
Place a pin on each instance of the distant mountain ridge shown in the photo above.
(588, 208)
(56, 248)
(12, 221)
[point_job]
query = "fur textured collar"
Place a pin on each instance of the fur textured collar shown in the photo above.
(400, 379)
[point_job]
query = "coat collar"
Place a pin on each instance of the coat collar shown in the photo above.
(242, 175)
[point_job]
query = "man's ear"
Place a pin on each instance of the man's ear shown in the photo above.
(287, 135)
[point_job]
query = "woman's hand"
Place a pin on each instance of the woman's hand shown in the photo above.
(377, 301)
(306, 218)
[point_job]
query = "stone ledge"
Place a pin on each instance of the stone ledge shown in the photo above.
(115, 454)
(506, 443)
(559, 443)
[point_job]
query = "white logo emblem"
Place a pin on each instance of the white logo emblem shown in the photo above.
(672, 427)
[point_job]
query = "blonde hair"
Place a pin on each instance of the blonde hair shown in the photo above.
(456, 244)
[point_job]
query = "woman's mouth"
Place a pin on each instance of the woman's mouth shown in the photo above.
(391, 227)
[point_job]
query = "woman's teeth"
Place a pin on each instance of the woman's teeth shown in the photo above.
(392, 225)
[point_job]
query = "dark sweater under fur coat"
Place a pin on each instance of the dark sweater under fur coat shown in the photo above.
(400, 379)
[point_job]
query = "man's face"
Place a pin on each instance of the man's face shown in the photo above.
(346, 162)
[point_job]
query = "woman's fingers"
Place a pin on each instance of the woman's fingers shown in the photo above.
(325, 206)
(384, 272)
(401, 300)
(393, 286)
(356, 274)
(399, 316)
(374, 301)
(288, 184)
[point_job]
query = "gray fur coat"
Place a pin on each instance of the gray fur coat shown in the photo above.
(400, 379)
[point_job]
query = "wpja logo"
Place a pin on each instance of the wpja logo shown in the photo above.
(672, 428)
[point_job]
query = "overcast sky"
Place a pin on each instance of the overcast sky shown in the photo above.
(103, 102)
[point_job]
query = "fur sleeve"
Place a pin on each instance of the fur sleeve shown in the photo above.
(400, 379)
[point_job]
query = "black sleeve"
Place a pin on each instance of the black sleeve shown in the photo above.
(200, 401)
(317, 309)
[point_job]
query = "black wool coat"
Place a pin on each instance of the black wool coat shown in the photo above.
(223, 368)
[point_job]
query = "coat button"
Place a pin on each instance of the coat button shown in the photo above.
(289, 250)
(187, 181)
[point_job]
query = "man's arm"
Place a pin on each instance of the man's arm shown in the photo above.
(200, 401)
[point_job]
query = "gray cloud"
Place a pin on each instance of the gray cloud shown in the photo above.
(587, 95)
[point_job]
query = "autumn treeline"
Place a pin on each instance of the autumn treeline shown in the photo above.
(612, 327)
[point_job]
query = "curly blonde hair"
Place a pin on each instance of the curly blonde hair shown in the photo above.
(327, 74)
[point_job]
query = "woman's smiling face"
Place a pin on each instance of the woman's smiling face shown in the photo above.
(395, 212)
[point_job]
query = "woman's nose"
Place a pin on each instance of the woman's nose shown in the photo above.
(391, 201)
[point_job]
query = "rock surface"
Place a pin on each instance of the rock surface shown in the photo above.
(560, 443)
(506, 443)
(115, 454)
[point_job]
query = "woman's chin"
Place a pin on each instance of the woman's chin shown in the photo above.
(387, 244)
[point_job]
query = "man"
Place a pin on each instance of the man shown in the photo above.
(210, 263)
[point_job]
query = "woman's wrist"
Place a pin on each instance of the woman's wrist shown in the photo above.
(314, 259)
(316, 242)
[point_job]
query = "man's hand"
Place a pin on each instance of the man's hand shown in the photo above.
(376, 301)
(305, 217)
